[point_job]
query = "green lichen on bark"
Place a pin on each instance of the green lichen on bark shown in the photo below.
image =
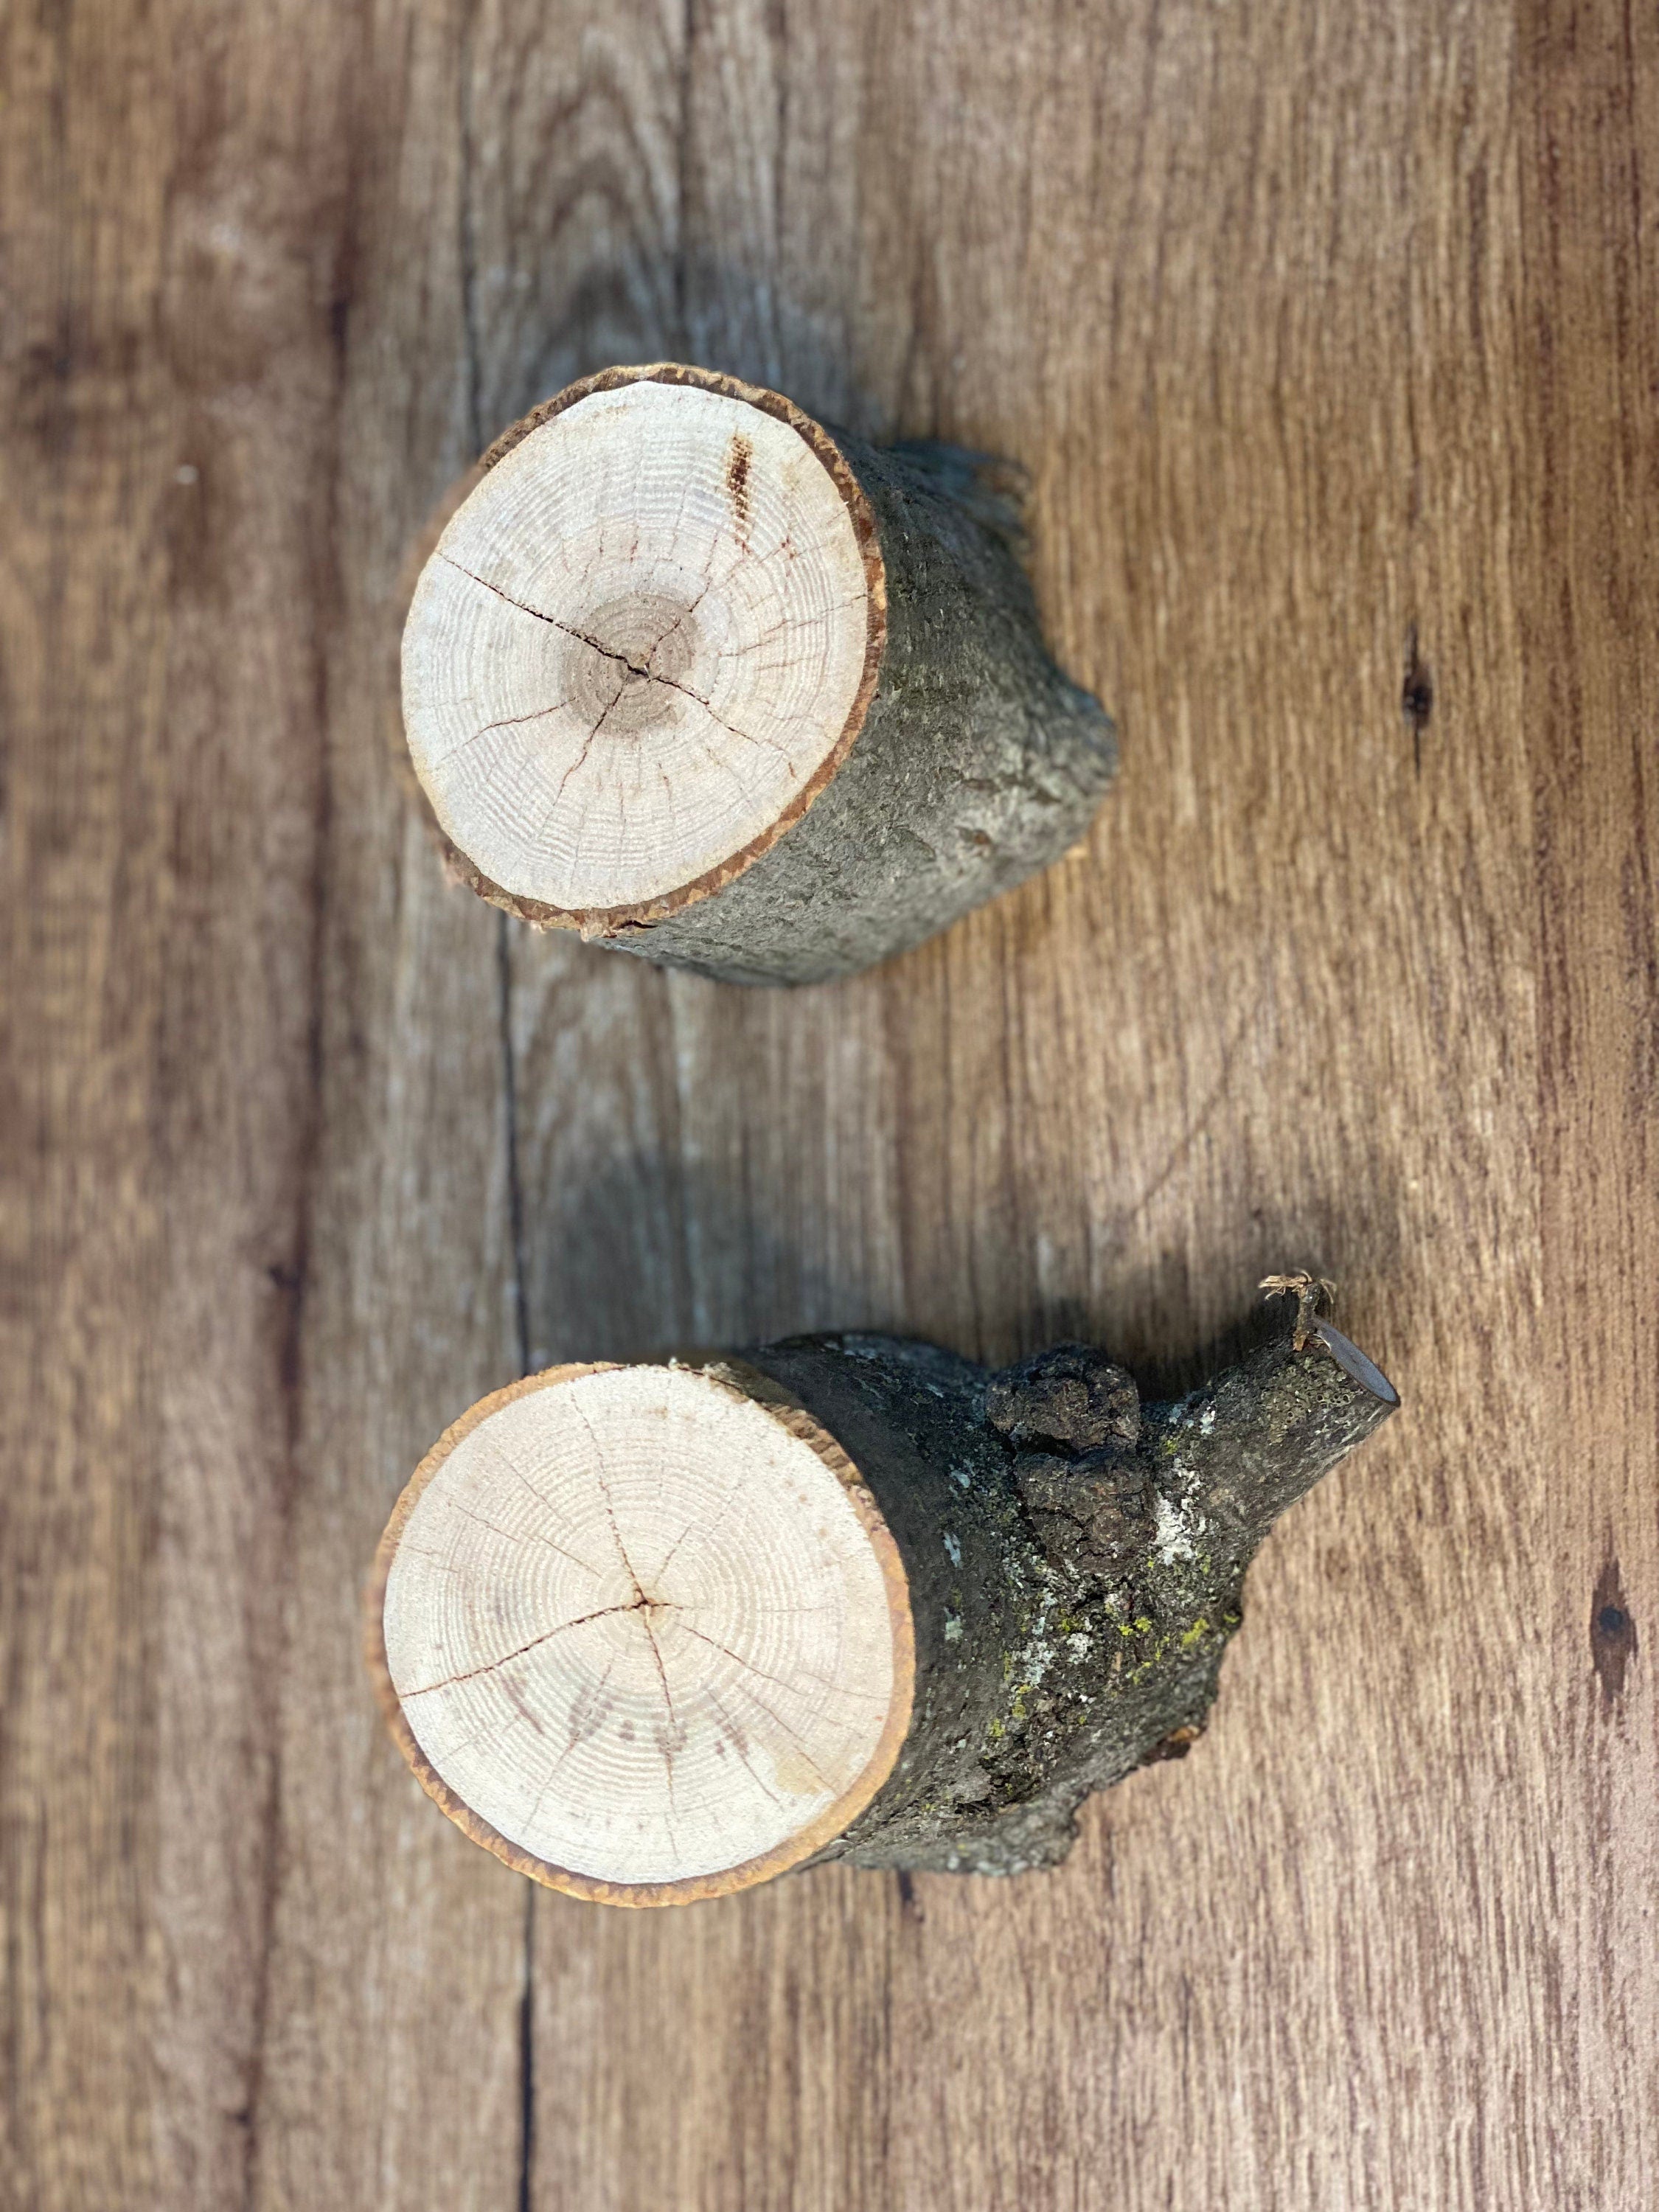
(1076, 1562)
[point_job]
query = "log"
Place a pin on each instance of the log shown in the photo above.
(656, 1633)
(690, 673)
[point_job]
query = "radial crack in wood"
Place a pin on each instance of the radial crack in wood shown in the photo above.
(858, 1599)
(690, 673)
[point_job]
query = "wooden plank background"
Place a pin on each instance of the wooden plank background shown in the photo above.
(1329, 334)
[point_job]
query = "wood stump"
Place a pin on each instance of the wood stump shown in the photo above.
(654, 1633)
(694, 675)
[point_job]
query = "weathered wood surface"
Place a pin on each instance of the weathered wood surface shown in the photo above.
(1329, 337)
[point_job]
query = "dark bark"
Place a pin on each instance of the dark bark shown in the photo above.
(1076, 1562)
(978, 763)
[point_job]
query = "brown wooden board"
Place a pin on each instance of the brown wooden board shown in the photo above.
(1328, 336)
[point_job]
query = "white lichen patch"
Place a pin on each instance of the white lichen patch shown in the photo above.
(953, 1628)
(1039, 1652)
(1174, 1533)
(953, 1549)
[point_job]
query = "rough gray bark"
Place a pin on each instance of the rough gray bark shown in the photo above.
(979, 762)
(1076, 1562)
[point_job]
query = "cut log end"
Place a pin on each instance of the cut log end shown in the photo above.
(641, 647)
(643, 1632)
(1370, 1379)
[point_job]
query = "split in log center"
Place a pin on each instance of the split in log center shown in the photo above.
(630, 664)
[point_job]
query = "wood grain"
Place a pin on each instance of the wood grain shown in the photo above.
(1328, 336)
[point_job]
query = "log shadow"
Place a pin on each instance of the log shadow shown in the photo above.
(711, 313)
(648, 1257)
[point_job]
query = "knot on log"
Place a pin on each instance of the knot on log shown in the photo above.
(1073, 1419)
(1070, 1398)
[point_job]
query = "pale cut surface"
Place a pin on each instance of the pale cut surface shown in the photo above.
(636, 1625)
(636, 642)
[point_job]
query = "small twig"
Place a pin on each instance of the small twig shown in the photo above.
(1312, 1294)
